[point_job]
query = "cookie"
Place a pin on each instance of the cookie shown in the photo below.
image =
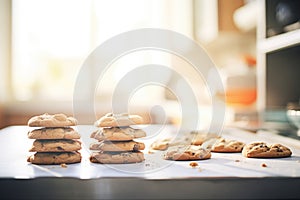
(187, 152)
(117, 134)
(117, 157)
(263, 150)
(227, 146)
(56, 120)
(199, 137)
(193, 138)
(165, 143)
(118, 120)
(161, 144)
(117, 146)
(53, 133)
(54, 158)
(62, 145)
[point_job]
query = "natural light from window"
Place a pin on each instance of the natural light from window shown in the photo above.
(52, 38)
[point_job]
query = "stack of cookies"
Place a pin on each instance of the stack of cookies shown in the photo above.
(115, 137)
(55, 141)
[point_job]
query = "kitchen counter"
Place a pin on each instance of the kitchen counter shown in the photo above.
(225, 175)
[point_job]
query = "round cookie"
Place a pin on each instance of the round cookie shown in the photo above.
(187, 152)
(227, 146)
(264, 150)
(56, 120)
(117, 157)
(117, 134)
(118, 120)
(199, 137)
(53, 133)
(60, 145)
(117, 146)
(54, 158)
(161, 144)
(165, 143)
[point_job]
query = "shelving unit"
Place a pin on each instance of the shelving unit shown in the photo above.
(278, 63)
(278, 42)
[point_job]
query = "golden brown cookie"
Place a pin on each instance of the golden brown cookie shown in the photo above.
(199, 137)
(56, 120)
(187, 152)
(118, 120)
(161, 144)
(263, 150)
(117, 134)
(117, 146)
(117, 157)
(192, 137)
(54, 158)
(227, 146)
(165, 143)
(54, 133)
(61, 145)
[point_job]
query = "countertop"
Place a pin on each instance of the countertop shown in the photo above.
(225, 175)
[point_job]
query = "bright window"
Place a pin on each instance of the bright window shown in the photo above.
(52, 38)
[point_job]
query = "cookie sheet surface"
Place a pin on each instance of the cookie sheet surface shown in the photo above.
(15, 144)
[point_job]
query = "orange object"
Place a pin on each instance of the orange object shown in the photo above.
(250, 60)
(245, 96)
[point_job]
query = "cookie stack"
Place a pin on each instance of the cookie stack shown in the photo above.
(115, 137)
(55, 141)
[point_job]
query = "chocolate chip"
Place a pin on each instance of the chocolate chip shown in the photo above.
(60, 148)
(263, 165)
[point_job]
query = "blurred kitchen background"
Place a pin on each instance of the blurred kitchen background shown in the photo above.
(254, 44)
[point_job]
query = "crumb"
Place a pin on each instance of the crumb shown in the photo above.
(150, 152)
(199, 169)
(237, 161)
(63, 165)
(147, 164)
(263, 165)
(193, 164)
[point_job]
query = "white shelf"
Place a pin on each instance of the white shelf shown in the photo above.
(279, 41)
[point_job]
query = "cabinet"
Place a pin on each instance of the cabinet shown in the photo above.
(278, 57)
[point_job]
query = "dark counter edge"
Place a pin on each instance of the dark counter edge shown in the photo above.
(135, 188)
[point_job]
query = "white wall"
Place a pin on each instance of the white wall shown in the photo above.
(5, 48)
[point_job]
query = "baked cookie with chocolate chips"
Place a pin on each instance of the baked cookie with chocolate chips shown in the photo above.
(161, 144)
(117, 134)
(117, 146)
(164, 143)
(264, 150)
(56, 120)
(61, 145)
(53, 133)
(187, 152)
(199, 137)
(54, 158)
(193, 138)
(118, 120)
(227, 146)
(117, 157)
